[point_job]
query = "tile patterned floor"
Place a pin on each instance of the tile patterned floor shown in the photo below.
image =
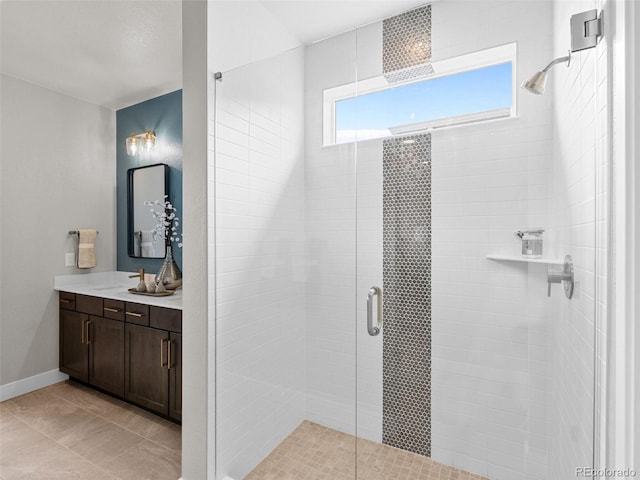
(314, 452)
(68, 431)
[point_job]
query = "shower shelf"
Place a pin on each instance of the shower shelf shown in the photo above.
(517, 258)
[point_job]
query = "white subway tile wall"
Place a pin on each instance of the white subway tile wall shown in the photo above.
(330, 176)
(579, 212)
(489, 406)
(260, 259)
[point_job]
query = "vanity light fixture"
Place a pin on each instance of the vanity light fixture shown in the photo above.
(145, 140)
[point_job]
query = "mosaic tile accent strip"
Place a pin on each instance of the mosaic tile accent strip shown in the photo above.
(409, 73)
(406, 45)
(406, 269)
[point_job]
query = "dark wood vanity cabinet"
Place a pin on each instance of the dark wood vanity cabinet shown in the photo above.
(153, 374)
(175, 376)
(92, 346)
(106, 354)
(74, 352)
(131, 350)
(146, 371)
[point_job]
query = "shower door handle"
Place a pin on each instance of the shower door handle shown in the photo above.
(377, 292)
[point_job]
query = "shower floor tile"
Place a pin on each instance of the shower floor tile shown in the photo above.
(314, 452)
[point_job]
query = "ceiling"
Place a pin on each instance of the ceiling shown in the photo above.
(109, 53)
(118, 53)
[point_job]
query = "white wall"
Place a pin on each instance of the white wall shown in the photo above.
(58, 174)
(198, 387)
(259, 254)
(580, 168)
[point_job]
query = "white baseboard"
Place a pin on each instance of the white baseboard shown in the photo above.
(30, 384)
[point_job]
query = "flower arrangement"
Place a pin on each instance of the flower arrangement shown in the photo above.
(167, 221)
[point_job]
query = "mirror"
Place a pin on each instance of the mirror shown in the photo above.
(145, 184)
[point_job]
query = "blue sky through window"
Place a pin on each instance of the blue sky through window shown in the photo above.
(371, 115)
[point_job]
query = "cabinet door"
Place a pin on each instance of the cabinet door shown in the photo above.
(175, 376)
(146, 376)
(74, 351)
(106, 354)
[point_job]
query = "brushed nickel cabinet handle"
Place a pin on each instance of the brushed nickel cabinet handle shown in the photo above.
(162, 362)
(134, 314)
(112, 310)
(64, 300)
(169, 344)
(89, 322)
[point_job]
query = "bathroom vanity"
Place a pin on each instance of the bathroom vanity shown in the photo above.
(124, 344)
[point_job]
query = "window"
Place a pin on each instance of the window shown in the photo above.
(472, 88)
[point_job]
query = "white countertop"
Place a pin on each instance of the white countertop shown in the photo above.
(113, 285)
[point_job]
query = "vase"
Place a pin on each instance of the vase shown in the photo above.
(169, 274)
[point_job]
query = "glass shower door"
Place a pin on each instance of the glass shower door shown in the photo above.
(285, 272)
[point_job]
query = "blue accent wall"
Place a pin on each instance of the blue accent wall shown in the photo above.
(162, 115)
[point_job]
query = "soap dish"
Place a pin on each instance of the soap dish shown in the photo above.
(162, 294)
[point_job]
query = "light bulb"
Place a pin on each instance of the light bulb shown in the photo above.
(149, 140)
(132, 145)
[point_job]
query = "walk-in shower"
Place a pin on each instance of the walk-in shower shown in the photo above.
(375, 317)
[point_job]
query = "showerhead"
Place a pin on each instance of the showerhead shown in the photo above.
(536, 83)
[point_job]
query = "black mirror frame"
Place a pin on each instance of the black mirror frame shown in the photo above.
(130, 172)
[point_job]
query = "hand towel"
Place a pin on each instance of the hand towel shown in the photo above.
(146, 244)
(87, 248)
(137, 240)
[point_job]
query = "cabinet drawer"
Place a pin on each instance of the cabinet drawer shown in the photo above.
(67, 301)
(90, 305)
(137, 313)
(165, 319)
(113, 309)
